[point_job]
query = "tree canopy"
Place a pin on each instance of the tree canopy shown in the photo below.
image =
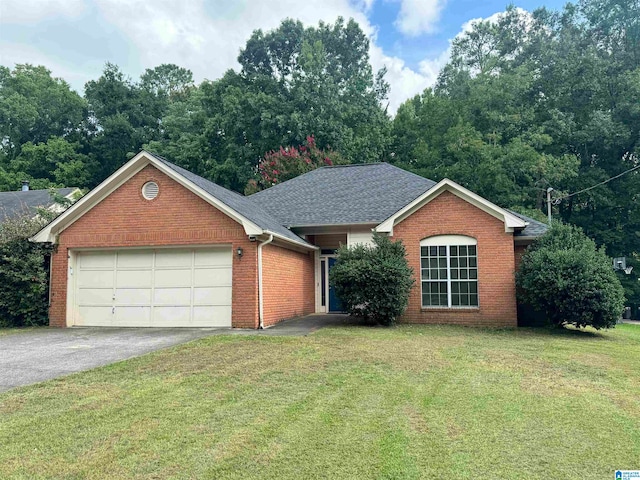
(526, 102)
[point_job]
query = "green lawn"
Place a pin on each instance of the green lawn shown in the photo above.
(12, 330)
(408, 402)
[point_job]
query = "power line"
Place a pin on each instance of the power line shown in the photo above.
(597, 185)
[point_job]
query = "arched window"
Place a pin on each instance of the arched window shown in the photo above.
(449, 271)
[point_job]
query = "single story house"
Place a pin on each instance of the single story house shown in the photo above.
(156, 245)
(27, 201)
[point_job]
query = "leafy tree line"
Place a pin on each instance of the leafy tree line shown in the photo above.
(548, 99)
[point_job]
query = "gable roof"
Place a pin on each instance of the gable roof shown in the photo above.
(345, 194)
(511, 221)
(254, 220)
(533, 229)
(16, 203)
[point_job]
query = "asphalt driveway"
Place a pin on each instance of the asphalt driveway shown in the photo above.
(42, 354)
(37, 355)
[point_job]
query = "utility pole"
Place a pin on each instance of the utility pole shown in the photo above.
(549, 190)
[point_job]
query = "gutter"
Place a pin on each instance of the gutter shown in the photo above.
(260, 294)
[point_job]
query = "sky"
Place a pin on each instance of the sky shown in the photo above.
(75, 38)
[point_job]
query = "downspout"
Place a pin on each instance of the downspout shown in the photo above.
(260, 295)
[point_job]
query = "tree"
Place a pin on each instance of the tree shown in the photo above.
(289, 162)
(565, 276)
(373, 282)
(24, 278)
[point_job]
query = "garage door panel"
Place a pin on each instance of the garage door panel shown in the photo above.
(172, 316)
(211, 277)
(95, 316)
(96, 297)
(163, 287)
(215, 258)
(173, 278)
(134, 259)
(172, 296)
(174, 258)
(105, 260)
(132, 316)
(212, 296)
(95, 279)
(134, 278)
(212, 316)
(133, 296)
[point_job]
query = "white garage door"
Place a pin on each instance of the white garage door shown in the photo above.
(153, 288)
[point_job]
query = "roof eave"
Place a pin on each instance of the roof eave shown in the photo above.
(511, 222)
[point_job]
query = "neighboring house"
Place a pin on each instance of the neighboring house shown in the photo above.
(28, 202)
(156, 245)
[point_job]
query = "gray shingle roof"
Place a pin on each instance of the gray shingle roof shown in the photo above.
(235, 201)
(349, 194)
(16, 203)
(534, 229)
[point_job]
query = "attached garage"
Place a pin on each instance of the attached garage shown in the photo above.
(163, 287)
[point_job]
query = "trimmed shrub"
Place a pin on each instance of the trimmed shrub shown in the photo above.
(373, 282)
(24, 273)
(565, 276)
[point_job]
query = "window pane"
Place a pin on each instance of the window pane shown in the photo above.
(455, 300)
(425, 299)
(473, 300)
(454, 251)
(442, 262)
(424, 251)
(442, 251)
(433, 262)
(425, 274)
(455, 287)
(472, 250)
(464, 300)
(473, 287)
(473, 273)
(463, 250)
(424, 263)
(443, 274)
(463, 274)
(443, 300)
(433, 251)
(454, 262)
(464, 287)
(454, 274)
(463, 262)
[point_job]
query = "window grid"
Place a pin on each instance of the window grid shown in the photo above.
(449, 276)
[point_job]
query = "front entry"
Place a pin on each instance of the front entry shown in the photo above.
(335, 305)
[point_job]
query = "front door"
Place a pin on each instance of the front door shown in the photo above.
(335, 305)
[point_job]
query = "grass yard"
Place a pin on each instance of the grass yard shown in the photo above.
(409, 402)
(12, 330)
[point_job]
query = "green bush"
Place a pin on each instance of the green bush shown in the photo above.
(565, 276)
(24, 277)
(373, 282)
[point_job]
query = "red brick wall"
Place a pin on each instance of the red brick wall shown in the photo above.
(519, 251)
(175, 217)
(288, 284)
(450, 215)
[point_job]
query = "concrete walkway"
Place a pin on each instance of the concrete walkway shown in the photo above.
(41, 354)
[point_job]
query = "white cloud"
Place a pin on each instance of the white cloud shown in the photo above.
(29, 11)
(419, 16)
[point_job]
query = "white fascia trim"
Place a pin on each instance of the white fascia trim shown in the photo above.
(302, 244)
(511, 221)
(119, 177)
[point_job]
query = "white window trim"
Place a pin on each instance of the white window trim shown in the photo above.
(448, 241)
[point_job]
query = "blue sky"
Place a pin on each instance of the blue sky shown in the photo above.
(74, 38)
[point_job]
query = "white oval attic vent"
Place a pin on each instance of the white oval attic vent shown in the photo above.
(150, 190)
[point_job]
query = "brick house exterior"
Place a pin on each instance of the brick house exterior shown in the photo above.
(194, 254)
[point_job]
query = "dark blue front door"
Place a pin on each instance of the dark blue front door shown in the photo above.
(335, 305)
